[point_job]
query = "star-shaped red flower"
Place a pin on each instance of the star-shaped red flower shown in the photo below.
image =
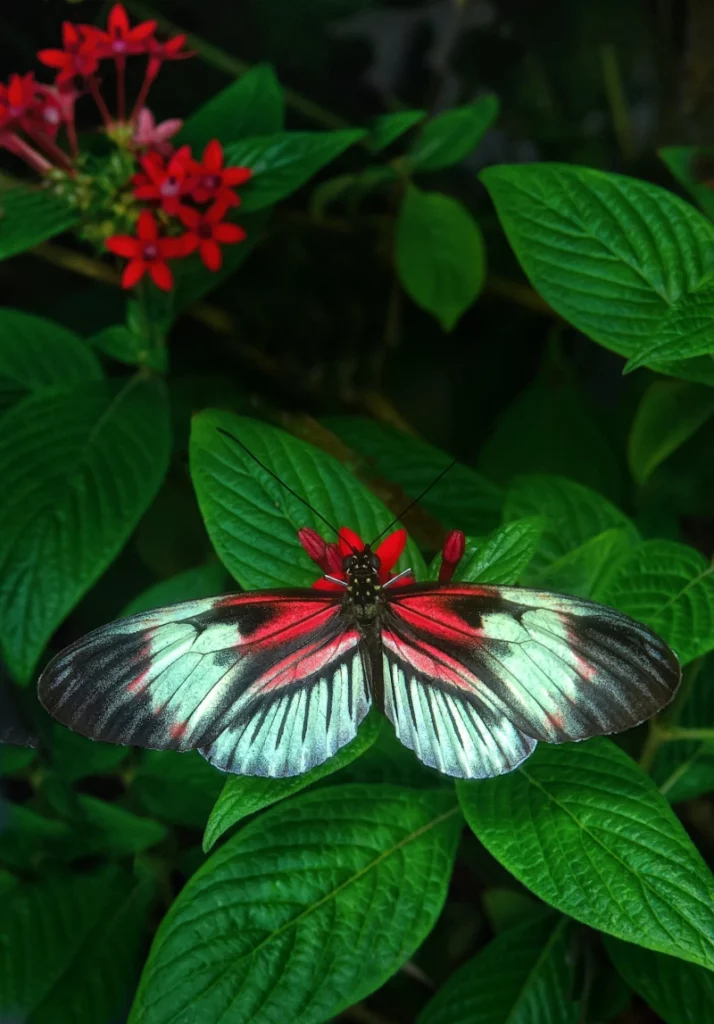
(330, 557)
(166, 181)
(17, 98)
(120, 39)
(78, 55)
(214, 181)
(147, 252)
(207, 232)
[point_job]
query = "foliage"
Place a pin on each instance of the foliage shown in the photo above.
(394, 305)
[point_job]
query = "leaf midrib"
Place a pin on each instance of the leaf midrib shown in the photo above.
(555, 935)
(293, 922)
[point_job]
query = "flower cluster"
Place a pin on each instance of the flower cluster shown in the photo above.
(172, 203)
(331, 557)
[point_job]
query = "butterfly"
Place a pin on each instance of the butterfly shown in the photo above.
(275, 682)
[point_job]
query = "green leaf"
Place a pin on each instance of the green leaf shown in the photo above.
(179, 788)
(523, 976)
(684, 769)
(585, 570)
(587, 831)
(503, 557)
(686, 330)
(75, 757)
(120, 343)
(611, 254)
(451, 136)
(208, 580)
(15, 759)
(252, 105)
(36, 354)
(281, 163)
(679, 992)
(670, 587)
(113, 831)
(574, 514)
(681, 160)
(82, 468)
(387, 128)
(29, 217)
(69, 947)
(253, 521)
(440, 254)
(27, 838)
(669, 413)
(463, 499)
(306, 911)
(244, 794)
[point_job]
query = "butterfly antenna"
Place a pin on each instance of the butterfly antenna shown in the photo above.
(287, 487)
(415, 501)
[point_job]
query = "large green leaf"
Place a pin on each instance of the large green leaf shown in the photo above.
(451, 136)
(684, 768)
(611, 254)
(281, 163)
(440, 254)
(584, 571)
(208, 580)
(588, 832)
(463, 499)
(252, 105)
(524, 976)
(388, 127)
(679, 992)
(253, 521)
(670, 587)
(36, 354)
(307, 910)
(503, 557)
(69, 947)
(30, 216)
(574, 515)
(669, 412)
(243, 795)
(82, 468)
(687, 330)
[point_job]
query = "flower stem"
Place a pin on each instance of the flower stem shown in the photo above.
(99, 99)
(143, 92)
(121, 87)
(53, 150)
(14, 144)
(683, 732)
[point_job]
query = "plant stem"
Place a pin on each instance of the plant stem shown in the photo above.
(683, 732)
(617, 101)
(99, 99)
(143, 93)
(121, 87)
(14, 144)
(218, 58)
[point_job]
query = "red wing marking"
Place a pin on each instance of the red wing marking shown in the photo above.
(437, 664)
(309, 660)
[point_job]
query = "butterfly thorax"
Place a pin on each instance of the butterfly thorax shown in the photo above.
(364, 590)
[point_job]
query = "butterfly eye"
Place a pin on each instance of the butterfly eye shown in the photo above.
(348, 563)
(374, 562)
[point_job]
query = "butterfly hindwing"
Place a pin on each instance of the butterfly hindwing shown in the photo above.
(473, 676)
(264, 683)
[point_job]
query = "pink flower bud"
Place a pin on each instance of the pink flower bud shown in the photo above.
(454, 547)
(313, 544)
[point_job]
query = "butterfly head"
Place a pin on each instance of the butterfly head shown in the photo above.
(361, 569)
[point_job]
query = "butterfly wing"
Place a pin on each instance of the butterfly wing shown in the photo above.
(474, 676)
(268, 683)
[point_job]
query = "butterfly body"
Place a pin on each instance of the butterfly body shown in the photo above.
(274, 682)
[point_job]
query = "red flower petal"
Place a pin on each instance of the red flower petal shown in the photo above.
(323, 584)
(161, 276)
(133, 272)
(213, 157)
(189, 217)
(141, 32)
(237, 175)
(211, 254)
(123, 245)
(53, 58)
(226, 234)
(390, 549)
(146, 228)
(349, 541)
(177, 248)
(313, 544)
(146, 192)
(118, 21)
(334, 561)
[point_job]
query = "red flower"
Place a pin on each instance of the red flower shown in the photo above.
(53, 107)
(159, 52)
(17, 98)
(120, 40)
(147, 252)
(78, 55)
(216, 181)
(164, 181)
(150, 135)
(451, 555)
(388, 553)
(207, 232)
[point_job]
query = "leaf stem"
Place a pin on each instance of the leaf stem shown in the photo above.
(684, 732)
(218, 58)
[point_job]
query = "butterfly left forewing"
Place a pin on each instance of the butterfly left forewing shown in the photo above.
(555, 668)
(240, 677)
